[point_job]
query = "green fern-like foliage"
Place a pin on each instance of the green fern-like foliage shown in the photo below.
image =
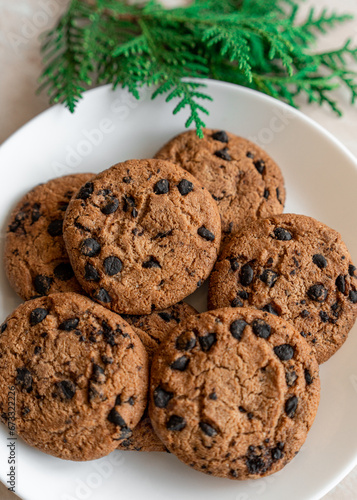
(255, 43)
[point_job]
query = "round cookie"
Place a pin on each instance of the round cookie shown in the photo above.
(295, 267)
(233, 392)
(36, 260)
(143, 235)
(152, 330)
(241, 177)
(80, 374)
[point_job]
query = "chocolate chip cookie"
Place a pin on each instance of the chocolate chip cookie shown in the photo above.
(80, 374)
(142, 235)
(233, 392)
(152, 330)
(241, 177)
(36, 259)
(294, 267)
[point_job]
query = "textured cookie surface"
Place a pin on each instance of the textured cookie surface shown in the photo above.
(142, 235)
(36, 259)
(152, 329)
(233, 392)
(297, 268)
(80, 375)
(241, 177)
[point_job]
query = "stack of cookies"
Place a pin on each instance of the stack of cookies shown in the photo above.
(104, 354)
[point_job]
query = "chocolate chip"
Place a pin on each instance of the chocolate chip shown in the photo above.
(304, 313)
(255, 464)
(112, 265)
(353, 296)
(67, 389)
(115, 418)
(317, 292)
(3, 327)
(91, 274)
(125, 432)
(266, 193)
(129, 202)
(220, 136)
(208, 429)
(284, 352)
(259, 165)
(261, 328)
(207, 341)
(223, 154)
(319, 260)
(341, 283)
(38, 315)
(35, 214)
(90, 247)
(37, 350)
(118, 400)
(276, 454)
(64, 271)
(237, 328)
(234, 264)
(243, 294)
(324, 316)
(291, 406)
(250, 155)
(151, 263)
(269, 277)
(351, 270)
(236, 302)
(85, 191)
(185, 342)
(278, 196)
(103, 296)
(24, 378)
(205, 233)
(185, 187)
(176, 423)
(98, 374)
(246, 275)
(162, 187)
(55, 227)
(18, 222)
(213, 396)
(127, 180)
(111, 206)
(69, 324)
(282, 234)
(162, 397)
(308, 377)
(165, 316)
(42, 284)
(180, 364)
(270, 309)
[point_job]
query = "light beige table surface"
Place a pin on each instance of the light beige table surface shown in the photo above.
(21, 21)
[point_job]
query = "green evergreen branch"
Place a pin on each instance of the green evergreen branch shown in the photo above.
(255, 43)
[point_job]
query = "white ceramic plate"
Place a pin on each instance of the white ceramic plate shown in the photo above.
(321, 181)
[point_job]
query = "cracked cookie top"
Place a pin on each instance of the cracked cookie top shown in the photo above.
(142, 235)
(233, 392)
(241, 177)
(80, 375)
(36, 259)
(295, 267)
